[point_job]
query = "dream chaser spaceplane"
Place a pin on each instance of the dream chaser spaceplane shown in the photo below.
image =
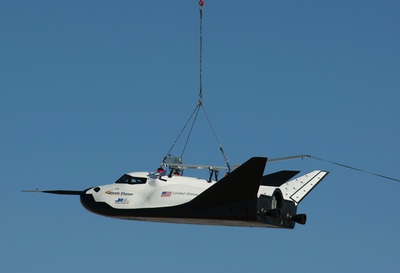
(245, 197)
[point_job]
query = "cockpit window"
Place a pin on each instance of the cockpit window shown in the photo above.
(127, 179)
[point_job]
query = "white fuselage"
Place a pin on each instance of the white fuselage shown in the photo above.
(157, 191)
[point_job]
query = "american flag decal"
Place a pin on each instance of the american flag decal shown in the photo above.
(166, 193)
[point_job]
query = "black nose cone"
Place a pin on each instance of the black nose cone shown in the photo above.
(88, 201)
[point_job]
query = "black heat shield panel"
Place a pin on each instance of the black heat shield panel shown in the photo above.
(278, 178)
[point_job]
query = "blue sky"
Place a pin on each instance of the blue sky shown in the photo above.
(93, 89)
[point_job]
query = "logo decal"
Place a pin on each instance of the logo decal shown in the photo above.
(180, 193)
(118, 193)
(122, 201)
(166, 193)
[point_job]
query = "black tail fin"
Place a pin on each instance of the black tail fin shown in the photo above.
(240, 185)
(278, 178)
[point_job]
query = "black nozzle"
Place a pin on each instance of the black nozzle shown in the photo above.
(298, 218)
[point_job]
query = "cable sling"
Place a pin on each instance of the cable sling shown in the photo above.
(199, 105)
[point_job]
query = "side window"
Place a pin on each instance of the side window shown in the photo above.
(127, 179)
(123, 180)
(138, 180)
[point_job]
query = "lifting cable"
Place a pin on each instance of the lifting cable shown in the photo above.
(199, 104)
(334, 163)
(191, 129)
(353, 168)
(179, 135)
(201, 4)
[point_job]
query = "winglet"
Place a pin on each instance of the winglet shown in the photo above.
(297, 189)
